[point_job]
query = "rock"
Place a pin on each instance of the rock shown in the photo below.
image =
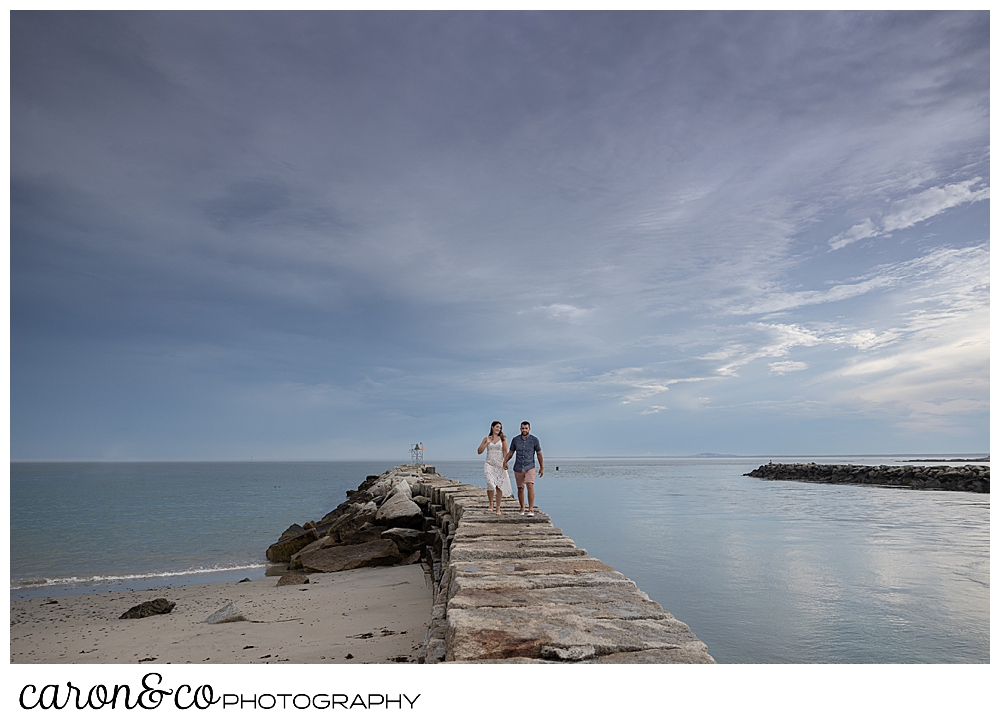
(289, 544)
(291, 531)
(355, 518)
(227, 614)
(400, 511)
(347, 557)
(499, 633)
(293, 579)
(244, 580)
(969, 478)
(570, 653)
(155, 607)
(365, 534)
(406, 539)
(382, 488)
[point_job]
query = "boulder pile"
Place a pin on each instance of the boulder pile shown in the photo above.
(968, 478)
(380, 524)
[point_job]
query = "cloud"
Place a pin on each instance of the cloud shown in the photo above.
(780, 368)
(565, 312)
(912, 210)
(355, 209)
(774, 340)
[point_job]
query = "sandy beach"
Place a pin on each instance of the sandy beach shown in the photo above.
(368, 615)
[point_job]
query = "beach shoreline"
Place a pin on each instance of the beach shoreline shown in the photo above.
(367, 615)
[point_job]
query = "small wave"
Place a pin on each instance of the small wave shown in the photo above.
(83, 580)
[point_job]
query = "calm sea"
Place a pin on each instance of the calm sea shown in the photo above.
(762, 571)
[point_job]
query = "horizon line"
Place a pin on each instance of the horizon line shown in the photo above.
(705, 456)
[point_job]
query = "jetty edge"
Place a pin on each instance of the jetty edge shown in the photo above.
(968, 478)
(507, 589)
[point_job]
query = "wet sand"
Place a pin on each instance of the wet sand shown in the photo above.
(368, 615)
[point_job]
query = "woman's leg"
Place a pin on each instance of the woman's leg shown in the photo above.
(489, 494)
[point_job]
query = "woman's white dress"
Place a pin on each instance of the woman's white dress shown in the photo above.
(496, 476)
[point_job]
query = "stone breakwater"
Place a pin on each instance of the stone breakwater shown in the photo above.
(507, 588)
(968, 478)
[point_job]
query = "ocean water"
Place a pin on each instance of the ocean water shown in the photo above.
(762, 571)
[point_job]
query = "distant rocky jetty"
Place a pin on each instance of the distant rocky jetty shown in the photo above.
(506, 588)
(968, 478)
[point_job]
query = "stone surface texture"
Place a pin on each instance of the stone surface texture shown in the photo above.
(513, 589)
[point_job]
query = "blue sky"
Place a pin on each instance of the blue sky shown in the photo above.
(330, 235)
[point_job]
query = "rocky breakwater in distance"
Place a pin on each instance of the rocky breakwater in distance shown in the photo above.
(514, 589)
(968, 478)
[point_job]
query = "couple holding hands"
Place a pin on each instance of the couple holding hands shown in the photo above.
(524, 447)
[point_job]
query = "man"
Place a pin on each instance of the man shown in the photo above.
(525, 446)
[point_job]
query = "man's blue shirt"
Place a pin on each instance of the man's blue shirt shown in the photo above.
(525, 447)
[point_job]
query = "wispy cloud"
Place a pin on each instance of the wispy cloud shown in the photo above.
(781, 368)
(913, 209)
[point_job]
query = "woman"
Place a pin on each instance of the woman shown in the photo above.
(497, 477)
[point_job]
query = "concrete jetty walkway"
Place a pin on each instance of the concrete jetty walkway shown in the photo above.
(514, 589)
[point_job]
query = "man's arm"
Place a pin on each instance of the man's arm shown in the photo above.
(541, 464)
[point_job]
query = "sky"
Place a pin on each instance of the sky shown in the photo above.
(332, 235)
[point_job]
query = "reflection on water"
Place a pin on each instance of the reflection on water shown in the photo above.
(782, 571)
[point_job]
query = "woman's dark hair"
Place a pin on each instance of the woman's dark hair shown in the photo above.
(497, 422)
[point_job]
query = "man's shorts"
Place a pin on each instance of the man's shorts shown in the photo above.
(526, 477)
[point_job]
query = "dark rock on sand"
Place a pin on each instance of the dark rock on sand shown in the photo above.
(293, 579)
(346, 557)
(294, 539)
(150, 608)
(365, 534)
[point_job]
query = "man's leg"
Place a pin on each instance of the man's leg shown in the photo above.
(529, 483)
(519, 479)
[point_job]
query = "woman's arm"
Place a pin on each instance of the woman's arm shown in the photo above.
(504, 454)
(482, 446)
